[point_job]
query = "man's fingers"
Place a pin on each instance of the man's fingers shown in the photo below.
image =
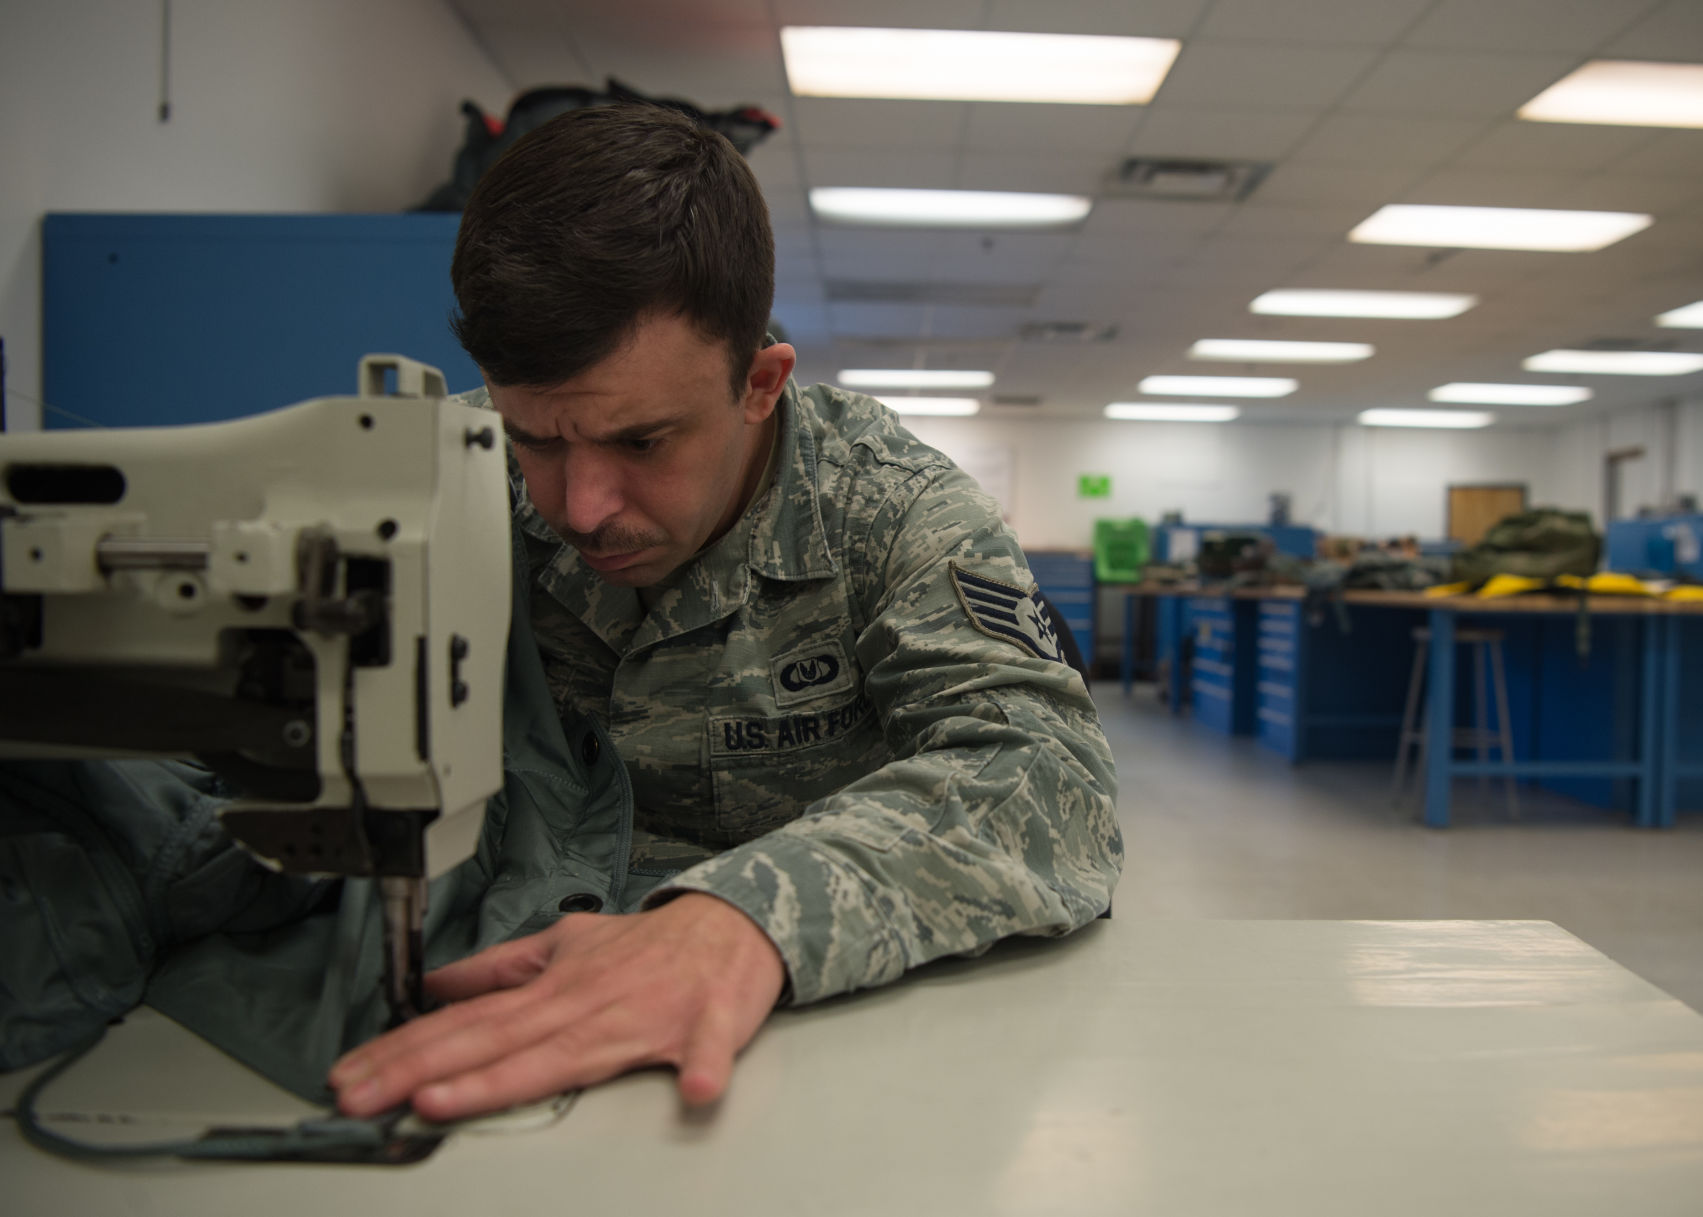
(707, 1062)
(504, 966)
(561, 1062)
(381, 1073)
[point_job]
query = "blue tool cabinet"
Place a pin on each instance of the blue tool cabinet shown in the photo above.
(155, 319)
(1223, 673)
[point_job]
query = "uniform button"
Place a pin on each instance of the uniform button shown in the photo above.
(589, 748)
(581, 902)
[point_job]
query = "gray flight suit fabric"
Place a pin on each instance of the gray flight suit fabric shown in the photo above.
(848, 716)
(118, 886)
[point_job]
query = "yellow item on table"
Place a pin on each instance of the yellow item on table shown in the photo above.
(1449, 589)
(1685, 595)
(1606, 583)
(1509, 585)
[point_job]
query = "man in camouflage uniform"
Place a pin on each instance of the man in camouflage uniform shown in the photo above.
(851, 742)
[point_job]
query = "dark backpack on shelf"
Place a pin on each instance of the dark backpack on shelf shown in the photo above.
(487, 138)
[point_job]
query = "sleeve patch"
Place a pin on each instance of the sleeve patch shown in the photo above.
(1008, 613)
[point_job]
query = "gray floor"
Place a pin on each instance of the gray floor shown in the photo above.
(1219, 827)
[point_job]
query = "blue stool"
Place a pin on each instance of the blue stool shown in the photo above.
(1480, 736)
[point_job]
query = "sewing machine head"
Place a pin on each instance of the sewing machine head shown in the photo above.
(312, 602)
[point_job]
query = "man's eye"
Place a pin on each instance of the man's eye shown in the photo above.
(640, 446)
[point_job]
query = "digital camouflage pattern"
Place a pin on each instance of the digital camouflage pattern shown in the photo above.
(847, 717)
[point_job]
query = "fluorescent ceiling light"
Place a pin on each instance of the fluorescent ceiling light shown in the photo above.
(1497, 227)
(1254, 350)
(1510, 395)
(1688, 318)
(947, 208)
(945, 406)
(1616, 363)
(1459, 420)
(1165, 412)
(1623, 93)
(975, 65)
(913, 378)
(1318, 302)
(1220, 386)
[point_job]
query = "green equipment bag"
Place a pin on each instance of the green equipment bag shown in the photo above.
(1538, 544)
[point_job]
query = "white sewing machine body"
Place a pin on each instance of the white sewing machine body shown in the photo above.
(313, 601)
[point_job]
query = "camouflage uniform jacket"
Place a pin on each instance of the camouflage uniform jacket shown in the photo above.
(847, 717)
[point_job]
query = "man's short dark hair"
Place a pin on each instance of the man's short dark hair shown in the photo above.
(598, 219)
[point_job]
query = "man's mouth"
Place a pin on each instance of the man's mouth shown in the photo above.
(610, 562)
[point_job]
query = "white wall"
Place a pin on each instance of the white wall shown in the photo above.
(276, 105)
(1671, 434)
(1349, 479)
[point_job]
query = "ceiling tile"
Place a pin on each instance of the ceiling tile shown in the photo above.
(1149, 19)
(1260, 217)
(1245, 75)
(1671, 31)
(1667, 154)
(1485, 188)
(1292, 183)
(1403, 268)
(1070, 174)
(1662, 197)
(1415, 82)
(835, 122)
(1372, 141)
(899, 14)
(1112, 217)
(1236, 260)
(712, 69)
(1524, 25)
(787, 207)
(1359, 21)
(1519, 146)
(1099, 260)
(1022, 127)
(775, 168)
(867, 167)
(1256, 135)
(869, 253)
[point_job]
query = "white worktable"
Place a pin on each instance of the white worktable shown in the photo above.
(1368, 1069)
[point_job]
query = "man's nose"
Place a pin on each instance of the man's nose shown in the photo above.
(591, 491)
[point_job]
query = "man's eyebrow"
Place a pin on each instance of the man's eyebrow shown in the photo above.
(634, 431)
(642, 430)
(526, 438)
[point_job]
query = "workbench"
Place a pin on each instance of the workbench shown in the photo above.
(1403, 1069)
(1630, 710)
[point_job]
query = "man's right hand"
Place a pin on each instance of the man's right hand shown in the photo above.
(686, 984)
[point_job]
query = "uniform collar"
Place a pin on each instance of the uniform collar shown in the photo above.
(788, 538)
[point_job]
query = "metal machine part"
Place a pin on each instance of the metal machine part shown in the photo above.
(310, 602)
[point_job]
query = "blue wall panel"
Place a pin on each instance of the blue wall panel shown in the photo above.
(151, 319)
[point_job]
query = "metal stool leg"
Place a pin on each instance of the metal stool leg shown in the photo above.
(1504, 725)
(1409, 736)
(1481, 715)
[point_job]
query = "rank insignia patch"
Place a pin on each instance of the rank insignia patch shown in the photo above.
(1002, 611)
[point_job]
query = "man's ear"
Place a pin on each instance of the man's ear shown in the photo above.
(766, 380)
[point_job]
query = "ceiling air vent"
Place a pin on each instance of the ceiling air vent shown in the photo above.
(1066, 331)
(1028, 401)
(1184, 180)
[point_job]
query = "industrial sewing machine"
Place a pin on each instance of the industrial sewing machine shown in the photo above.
(312, 602)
